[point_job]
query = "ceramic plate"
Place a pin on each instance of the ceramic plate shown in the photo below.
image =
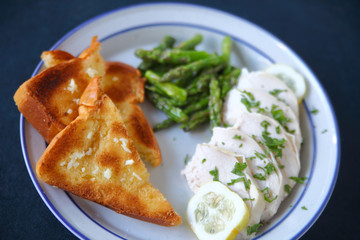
(143, 26)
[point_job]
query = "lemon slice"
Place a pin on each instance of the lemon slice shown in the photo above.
(216, 212)
(293, 79)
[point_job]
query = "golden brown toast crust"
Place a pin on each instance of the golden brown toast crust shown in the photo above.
(123, 83)
(141, 132)
(54, 57)
(49, 100)
(125, 86)
(90, 158)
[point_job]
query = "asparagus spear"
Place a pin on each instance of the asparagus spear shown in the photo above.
(201, 82)
(191, 69)
(196, 119)
(164, 124)
(215, 104)
(228, 81)
(164, 105)
(172, 56)
(188, 110)
(167, 42)
(226, 48)
(169, 89)
(191, 43)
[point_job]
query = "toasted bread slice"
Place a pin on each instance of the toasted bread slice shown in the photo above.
(125, 86)
(54, 57)
(49, 100)
(94, 158)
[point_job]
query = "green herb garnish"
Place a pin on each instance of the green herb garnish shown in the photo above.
(215, 174)
(267, 195)
(253, 229)
(233, 181)
(248, 199)
(204, 160)
(300, 180)
(249, 101)
(314, 111)
(237, 137)
(274, 144)
(287, 188)
(238, 168)
(304, 208)
(279, 116)
(276, 92)
(186, 158)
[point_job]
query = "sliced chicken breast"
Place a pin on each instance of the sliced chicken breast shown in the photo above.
(274, 139)
(270, 84)
(264, 169)
(256, 100)
(210, 162)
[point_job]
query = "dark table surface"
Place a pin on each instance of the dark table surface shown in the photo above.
(325, 34)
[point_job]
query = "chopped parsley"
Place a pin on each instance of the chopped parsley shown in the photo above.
(240, 145)
(215, 174)
(267, 195)
(253, 229)
(268, 169)
(277, 129)
(249, 101)
(186, 158)
(237, 137)
(261, 156)
(265, 125)
(279, 116)
(233, 181)
(274, 144)
(304, 208)
(204, 160)
(300, 180)
(259, 176)
(287, 188)
(248, 199)
(276, 92)
(241, 179)
(247, 184)
(315, 111)
(223, 143)
(238, 168)
(324, 131)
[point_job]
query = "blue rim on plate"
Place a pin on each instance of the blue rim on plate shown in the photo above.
(72, 229)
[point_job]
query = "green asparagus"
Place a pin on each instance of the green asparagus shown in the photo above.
(191, 43)
(226, 48)
(169, 89)
(172, 56)
(188, 110)
(167, 42)
(191, 69)
(196, 119)
(229, 80)
(164, 105)
(215, 104)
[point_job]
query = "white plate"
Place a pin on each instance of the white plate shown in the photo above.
(143, 26)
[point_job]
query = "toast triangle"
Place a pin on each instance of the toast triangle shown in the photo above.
(94, 158)
(49, 100)
(125, 86)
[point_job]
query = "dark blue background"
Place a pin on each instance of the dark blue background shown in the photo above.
(325, 34)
